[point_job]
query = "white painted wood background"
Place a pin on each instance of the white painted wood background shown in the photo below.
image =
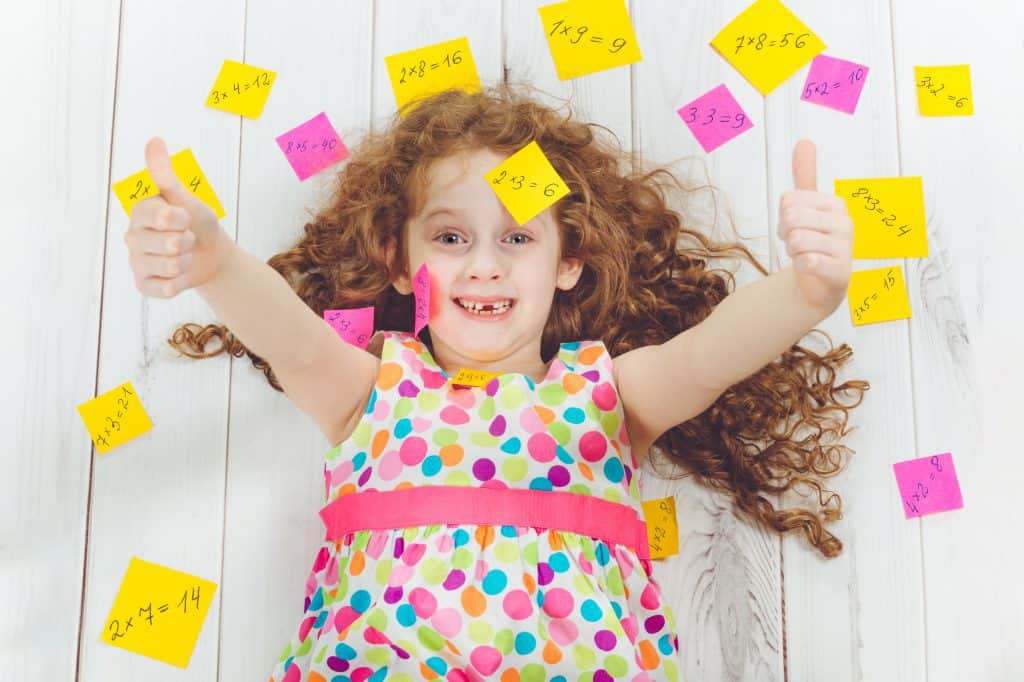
(227, 485)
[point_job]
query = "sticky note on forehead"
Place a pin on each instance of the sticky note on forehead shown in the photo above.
(158, 612)
(527, 183)
(944, 90)
(767, 44)
(888, 216)
(115, 417)
(428, 70)
(139, 186)
(587, 36)
(878, 295)
(241, 89)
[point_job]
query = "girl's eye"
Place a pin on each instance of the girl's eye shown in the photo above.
(444, 235)
(447, 234)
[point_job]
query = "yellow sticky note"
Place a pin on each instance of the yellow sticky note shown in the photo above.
(944, 90)
(662, 528)
(586, 36)
(137, 187)
(158, 612)
(888, 216)
(241, 89)
(472, 377)
(428, 70)
(115, 417)
(878, 295)
(527, 183)
(767, 44)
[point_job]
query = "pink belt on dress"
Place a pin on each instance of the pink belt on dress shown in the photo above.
(586, 515)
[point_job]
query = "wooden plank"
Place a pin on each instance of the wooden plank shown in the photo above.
(57, 114)
(403, 26)
(275, 485)
(161, 497)
(965, 330)
(602, 97)
(857, 616)
(724, 584)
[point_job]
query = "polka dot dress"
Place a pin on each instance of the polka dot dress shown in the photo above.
(483, 602)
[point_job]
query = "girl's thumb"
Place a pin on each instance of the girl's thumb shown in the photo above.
(160, 169)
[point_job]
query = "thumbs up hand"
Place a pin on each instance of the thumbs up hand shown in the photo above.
(174, 240)
(818, 233)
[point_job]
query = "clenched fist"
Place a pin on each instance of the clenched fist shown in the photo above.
(174, 240)
(818, 233)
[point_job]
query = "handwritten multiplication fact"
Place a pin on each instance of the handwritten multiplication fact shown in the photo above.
(421, 299)
(241, 89)
(115, 417)
(888, 216)
(158, 612)
(140, 185)
(472, 377)
(527, 183)
(354, 325)
(878, 295)
(421, 72)
(767, 44)
(312, 146)
(944, 90)
(928, 485)
(662, 527)
(587, 36)
(714, 118)
(834, 83)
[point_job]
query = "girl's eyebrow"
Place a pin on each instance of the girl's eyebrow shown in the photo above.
(439, 210)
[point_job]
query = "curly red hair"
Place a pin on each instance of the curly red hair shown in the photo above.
(647, 277)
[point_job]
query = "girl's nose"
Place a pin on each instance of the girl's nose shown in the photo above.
(484, 263)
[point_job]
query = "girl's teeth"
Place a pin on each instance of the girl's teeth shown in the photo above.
(478, 308)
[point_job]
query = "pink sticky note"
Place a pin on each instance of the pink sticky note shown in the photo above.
(354, 325)
(312, 146)
(714, 118)
(928, 485)
(834, 83)
(421, 291)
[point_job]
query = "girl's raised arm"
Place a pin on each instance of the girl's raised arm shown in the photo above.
(667, 384)
(175, 243)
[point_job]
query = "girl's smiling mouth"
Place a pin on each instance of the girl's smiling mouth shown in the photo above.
(485, 308)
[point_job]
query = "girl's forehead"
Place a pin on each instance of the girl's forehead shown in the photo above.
(463, 167)
(456, 180)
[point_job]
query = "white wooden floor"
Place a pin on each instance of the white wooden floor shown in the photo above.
(228, 483)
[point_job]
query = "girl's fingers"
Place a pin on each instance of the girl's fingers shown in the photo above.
(161, 287)
(803, 217)
(149, 265)
(160, 243)
(157, 214)
(811, 199)
(805, 240)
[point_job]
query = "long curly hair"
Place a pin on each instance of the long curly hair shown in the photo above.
(647, 277)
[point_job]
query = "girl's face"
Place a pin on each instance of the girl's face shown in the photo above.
(476, 253)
